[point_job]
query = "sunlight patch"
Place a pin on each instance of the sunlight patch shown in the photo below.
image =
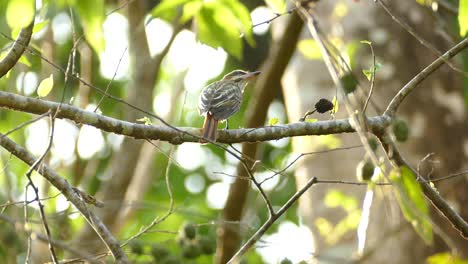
(291, 241)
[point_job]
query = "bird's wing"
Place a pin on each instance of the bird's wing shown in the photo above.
(222, 99)
(206, 96)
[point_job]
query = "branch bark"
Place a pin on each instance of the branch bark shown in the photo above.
(180, 135)
(431, 193)
(17, 50)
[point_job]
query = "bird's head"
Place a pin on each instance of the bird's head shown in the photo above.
(241, 76)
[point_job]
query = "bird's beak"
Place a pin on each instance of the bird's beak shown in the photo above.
(251, 75)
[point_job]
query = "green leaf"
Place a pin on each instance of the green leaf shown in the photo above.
(335, 105)
(311, 120)
(273, 121)
(243, 20)
(365, 42)
(146, 120)
(351, 50)
(92, 14)
(15, 32)
(168, 9)
(336, 198)
(445, 258)
(20, 13)
(45, 86)
(349, 82)
(424, 2)
(23, 59)
(278, 6)
(190, 9)
(368, 73)
(463, 17)
(217, 28)
(412, 202)
(40, 25)
(310, 49)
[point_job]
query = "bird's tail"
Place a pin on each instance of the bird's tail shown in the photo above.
(210, 128)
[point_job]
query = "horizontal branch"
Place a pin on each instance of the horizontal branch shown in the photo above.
(183, 134)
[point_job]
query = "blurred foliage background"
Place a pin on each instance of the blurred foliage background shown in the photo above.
(118, 46)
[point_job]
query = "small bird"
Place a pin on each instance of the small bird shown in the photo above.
(220, 100)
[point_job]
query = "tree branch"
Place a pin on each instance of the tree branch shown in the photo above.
(409, 87)
(68, 191)
(180, 135)
(253, 239)
(17, 50)
(442, 206)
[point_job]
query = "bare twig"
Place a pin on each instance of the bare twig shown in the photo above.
(157, 220)
(111, 80)
(254, 238)
(126, 3)
(25, 124)
(306, 154)
(451, 176)
(32, 168)
(7, 204)
(418, 37)
(354, 183)
(421, 76)
(277, 15)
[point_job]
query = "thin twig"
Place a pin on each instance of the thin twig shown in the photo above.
(119, 7)
(25, 124)
(7, 204)
(261, 231)
(111, 80)
(36, 192)
(306, 154)
(277, 15)
(454, 175)
(421, 76)
(418, 37)
(157, 220)
(354, 183)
